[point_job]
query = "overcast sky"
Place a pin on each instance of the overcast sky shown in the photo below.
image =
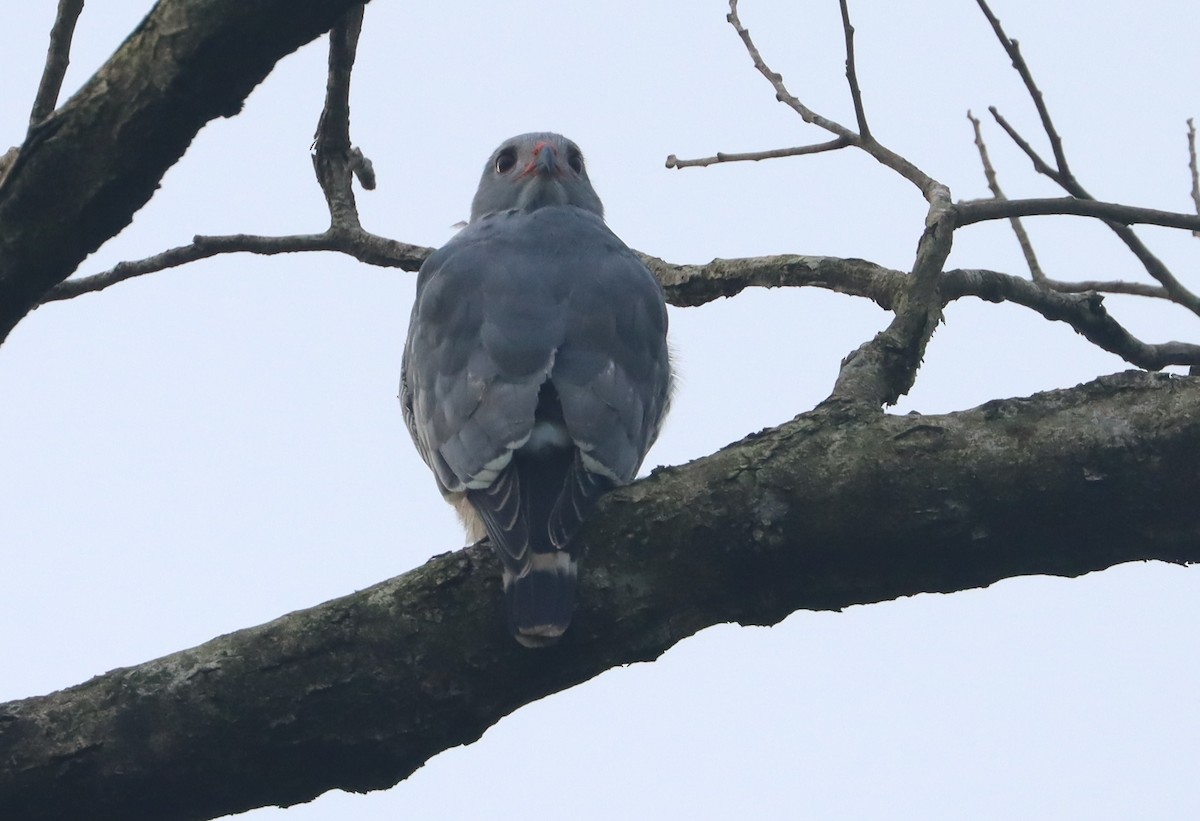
(210, 447)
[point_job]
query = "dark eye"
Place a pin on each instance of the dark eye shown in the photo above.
(575, 160)
(505, 160)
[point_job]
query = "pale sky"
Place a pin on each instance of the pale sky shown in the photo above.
(210, 447)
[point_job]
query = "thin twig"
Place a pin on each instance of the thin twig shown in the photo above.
(1191, 124)
(1035, 269)
(1039, 165)
(755, 156)
(930, 188)
(989, 172)
(1066, 180)
(973, 211)
(860, 112)
(1013, 48)
(58, 58)
(1153, 265)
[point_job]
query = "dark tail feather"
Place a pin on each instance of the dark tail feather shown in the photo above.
(541, 601)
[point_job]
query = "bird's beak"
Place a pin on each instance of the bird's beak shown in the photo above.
(546, 160)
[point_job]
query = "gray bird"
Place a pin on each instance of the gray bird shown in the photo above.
(535, 375)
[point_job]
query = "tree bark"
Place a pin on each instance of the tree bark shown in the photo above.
(836, 507)
(87, 168)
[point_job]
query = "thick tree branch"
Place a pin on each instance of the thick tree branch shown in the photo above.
(188, 62)
(58, 57)
(357, 693)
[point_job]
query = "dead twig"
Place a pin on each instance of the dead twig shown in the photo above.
(973, 211)
(58, 57)
(755, 156)
(362, 245)
(989, 173)
(860, 113)
(1013, 48)
(1195, 174)
(1062, 175)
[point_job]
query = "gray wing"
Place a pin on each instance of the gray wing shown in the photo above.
(519, 298)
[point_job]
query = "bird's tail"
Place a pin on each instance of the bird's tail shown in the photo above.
(541, 600)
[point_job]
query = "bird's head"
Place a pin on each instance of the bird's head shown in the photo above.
(531, 171)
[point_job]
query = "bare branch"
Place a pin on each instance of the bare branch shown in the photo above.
(692, 285)
(928, 186)
(1191, 124)
(1073, 303)
(1084, 312)
(1039, 165)
(1062, 175)
(755, 156)
(973, 211)
(883, 369)
(989, 173)
(1174, 289)
(1035, 269)
(860, 112)
(57, 59)
(1013, 48)
(1109, 286)
(363, 246)
(76, 185)
(334, 161)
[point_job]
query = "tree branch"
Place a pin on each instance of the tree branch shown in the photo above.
(359, 692)
(1063, 176)
(860, 113)
(973, 211)
(1013, 49)
(189, 62)
(1084, 312)
(993, 183)
(362, 245)
(58, 57)
(755, 156)
(929, 187)
(334, 160)
(1192, 167)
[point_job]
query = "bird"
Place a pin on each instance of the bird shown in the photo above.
(536, 373)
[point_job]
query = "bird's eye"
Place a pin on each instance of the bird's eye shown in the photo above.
(575, 160)
(505, 160)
